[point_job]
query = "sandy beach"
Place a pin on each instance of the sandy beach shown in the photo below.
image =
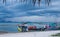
(31, 34)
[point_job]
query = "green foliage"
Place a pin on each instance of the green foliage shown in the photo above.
(58, 34)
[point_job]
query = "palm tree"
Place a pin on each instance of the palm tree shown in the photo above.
(34, 1)
(4, 1)
(25, 1)
(48, 2)
(39, 1)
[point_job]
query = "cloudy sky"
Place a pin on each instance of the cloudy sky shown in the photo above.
(17, 11)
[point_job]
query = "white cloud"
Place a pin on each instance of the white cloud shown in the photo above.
(17, 12)
(54, 6)
(34, 19)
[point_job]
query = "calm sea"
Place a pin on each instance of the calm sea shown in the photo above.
(12, 27)
(9, 27)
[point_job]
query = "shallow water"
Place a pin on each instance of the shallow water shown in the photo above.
(12, 27)
(9, 27)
